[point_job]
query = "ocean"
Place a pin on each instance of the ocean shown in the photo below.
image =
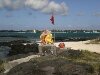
(30, 36)
(10, 36)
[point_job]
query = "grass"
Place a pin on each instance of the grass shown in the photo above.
(94, 41)
(70, 62)
(64, 59)
(1, 66)
(85, 56)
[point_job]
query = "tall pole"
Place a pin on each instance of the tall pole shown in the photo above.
(54, 35)
(54, 22)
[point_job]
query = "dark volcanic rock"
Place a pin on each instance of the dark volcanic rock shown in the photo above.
(23, 49)
(13, 42)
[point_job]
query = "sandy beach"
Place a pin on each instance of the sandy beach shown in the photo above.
(81, 45)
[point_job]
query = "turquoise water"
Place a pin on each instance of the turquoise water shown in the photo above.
(81, 35)
(7, 36)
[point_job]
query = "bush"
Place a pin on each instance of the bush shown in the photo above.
(54, 65)
(23, 49)
(71, 54)
(71, 62)
(1, 66)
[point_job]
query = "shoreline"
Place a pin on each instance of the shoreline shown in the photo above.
(81, 45)
(78, 45)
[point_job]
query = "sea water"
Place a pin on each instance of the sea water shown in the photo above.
(10, 36)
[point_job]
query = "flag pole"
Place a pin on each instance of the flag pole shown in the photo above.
(54, 23)
(54, 35)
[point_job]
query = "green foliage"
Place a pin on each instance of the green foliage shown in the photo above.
(89, 61)
(1, 66)
(71, 54)
(95, 41)
(70, 62)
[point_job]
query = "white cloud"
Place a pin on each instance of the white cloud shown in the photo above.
(1, 3)
(55, 8)
(36, 4)
(45, 6)
(11, 4)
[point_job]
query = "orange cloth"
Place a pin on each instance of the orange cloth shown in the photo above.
(61, 45)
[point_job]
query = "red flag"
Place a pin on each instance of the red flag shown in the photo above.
(52, 19)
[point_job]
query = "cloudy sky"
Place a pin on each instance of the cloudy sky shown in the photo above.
(35, 14)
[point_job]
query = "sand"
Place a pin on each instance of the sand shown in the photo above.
(81, 45)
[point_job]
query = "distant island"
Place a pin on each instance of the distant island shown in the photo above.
(85, 31)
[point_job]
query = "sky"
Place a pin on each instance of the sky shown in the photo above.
(36, 14)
